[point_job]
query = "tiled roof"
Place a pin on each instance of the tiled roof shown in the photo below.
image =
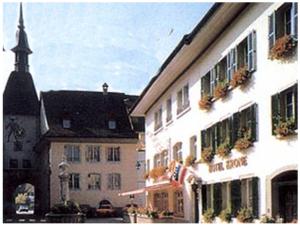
(89, 113)
(20, 96)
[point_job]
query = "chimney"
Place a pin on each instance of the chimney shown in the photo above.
(105, 88)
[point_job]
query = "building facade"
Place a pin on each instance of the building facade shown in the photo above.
(224, 104)
(93, 133)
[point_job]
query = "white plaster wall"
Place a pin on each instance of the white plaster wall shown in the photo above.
(268, 153)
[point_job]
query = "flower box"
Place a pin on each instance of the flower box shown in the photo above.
(282, 48)
(240, 77)
(284, 129)
(207, 155)
(223, 150)
(205, 103)
(221, 90)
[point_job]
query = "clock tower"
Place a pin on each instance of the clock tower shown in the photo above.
(21, 127)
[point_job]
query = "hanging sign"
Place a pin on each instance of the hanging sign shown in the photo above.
(229, 164)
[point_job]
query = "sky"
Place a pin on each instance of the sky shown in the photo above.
(79, 46)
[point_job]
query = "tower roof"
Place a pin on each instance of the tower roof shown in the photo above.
(21, 36)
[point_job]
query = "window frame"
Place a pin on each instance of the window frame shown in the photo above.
(92, 183)
(113, 154)
(74, 181)
(70, 151)
(91, 153)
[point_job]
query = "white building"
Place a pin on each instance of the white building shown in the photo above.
(255, 43)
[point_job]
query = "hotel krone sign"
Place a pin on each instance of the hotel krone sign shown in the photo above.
(229, 164)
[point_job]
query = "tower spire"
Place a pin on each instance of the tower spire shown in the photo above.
(21, 22)
(22, 49)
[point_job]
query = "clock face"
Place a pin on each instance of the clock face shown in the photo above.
(15, 130)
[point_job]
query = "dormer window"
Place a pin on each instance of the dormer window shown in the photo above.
(112, 124)
(66, 123)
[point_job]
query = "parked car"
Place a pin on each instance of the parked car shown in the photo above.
(88, 210)
(105, 209)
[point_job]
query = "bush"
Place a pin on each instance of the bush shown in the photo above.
(209, 216)
(266, 219)
(69, 207)
(225, 215)
(207, 155)
(245, 215)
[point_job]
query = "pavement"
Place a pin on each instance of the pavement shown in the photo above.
(104, 220)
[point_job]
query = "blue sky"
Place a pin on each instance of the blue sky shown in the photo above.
(79, 46)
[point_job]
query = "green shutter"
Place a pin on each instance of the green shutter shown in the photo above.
(204, 198)
(275, 111)
(213, 139)
(235, 194)
(235, 126)
(255, 197)
(218, 133)
(253, 122)
(202, 87)
(272, 30)
(295, 88)
(230, 131)
(217, 198)
(203, 139)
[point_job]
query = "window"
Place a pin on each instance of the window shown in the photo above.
(178, 204)
(183, 99)
(92, 153)
(205, 86)
(177, 152)
(161, 201)
(169, 110)
(220, 72)
(74, 181)
(249, 194)
(94, 180)
(284, 21)
(244, 124)
(72, 152)
(285, 107)
(13, 163)
(158, 119)
(209, 138)
(231, 63)
(157, 160)
(224, 132)
(18, 146)
(113, 154)
(114, 181)
(165, 158)
(112, 124)
(66, 123)
(26, 164)
(193, 146)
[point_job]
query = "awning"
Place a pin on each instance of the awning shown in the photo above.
(158, 186)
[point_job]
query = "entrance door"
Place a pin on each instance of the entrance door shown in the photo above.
(288, 202)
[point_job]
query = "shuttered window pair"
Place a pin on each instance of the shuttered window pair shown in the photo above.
(231, 129)
(283, 21)
(94, 181)
(92, 153)
(183, 101)
(285, 107)
(243, 55)
(74, 181)
(158, 119)
(72, 153)
(114, 181)
(231, 195)
(113, 154)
